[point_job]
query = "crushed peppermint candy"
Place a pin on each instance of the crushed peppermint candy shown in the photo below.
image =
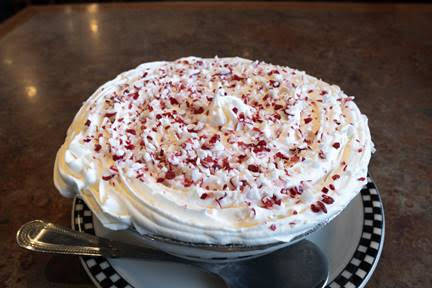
(180, 133)
(228, 133)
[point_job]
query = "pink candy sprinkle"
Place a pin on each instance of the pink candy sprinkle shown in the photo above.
(253, 168)
(170, 175)
(98, 147)
(107, 178)
(131, 131)
(307, 120)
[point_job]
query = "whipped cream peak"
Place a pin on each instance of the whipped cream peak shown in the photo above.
(221, 150)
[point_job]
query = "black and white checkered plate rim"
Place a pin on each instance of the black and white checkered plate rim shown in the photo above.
(355, 274)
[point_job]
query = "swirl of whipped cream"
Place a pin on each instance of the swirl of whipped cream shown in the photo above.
(222, 150)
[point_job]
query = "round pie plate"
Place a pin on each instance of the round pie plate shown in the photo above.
(352, 242)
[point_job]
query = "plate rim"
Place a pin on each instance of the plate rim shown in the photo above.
(356, 273)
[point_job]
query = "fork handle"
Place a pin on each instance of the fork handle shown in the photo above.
(46, 237)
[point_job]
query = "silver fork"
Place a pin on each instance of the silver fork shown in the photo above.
(304, 265)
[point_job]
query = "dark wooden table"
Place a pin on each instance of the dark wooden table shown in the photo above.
(53, 58)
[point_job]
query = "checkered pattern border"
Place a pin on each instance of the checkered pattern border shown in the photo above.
(99, 269)
(354, 275)
(365, 258)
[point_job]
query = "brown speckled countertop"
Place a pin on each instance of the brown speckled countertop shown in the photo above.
(53, 58)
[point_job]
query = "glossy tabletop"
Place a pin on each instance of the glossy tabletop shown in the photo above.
(52, 58)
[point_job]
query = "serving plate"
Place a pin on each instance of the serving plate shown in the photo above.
(352, 242)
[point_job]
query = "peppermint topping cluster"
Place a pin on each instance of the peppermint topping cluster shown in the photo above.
(234, 132)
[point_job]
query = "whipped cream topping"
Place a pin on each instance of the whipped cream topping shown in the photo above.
(222, 150)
